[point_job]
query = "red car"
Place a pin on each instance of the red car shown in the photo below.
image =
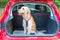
(45, 14)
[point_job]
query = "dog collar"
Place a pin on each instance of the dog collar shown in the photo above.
(27, 22)
(27, 19)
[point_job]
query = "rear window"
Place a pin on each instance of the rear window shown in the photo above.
(32, 7)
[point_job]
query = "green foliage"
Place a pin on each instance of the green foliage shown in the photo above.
(3, 3)
(57, 2)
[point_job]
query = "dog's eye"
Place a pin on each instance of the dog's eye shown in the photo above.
(23, 9)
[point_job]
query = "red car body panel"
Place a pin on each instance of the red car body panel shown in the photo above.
(5, 36)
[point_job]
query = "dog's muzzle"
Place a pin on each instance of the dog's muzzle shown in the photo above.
(21, 13)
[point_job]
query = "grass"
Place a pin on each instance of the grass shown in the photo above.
(2, 5)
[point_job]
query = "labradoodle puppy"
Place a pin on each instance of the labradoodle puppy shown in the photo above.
(28, 21)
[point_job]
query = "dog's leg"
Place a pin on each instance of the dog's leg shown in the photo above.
(29, 26)
(33, 29)
(24, 26)
(29, 30)
(25, 30)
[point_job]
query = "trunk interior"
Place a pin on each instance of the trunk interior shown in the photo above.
(46, 25)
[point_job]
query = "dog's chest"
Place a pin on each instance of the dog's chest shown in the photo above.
(27, 23)
(30, 23)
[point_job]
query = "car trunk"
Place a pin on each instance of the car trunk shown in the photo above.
(46, 24)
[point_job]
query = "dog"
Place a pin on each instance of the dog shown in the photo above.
(27, 17)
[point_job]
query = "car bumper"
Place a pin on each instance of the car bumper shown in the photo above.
(5, 36)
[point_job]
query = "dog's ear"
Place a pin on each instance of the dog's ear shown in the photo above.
(28, 11)
(18, 12)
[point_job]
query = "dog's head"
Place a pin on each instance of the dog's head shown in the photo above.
(23, 10)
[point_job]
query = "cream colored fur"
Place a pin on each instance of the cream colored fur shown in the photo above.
(26, 14)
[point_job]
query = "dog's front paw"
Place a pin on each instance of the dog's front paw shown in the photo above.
(32, 33)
